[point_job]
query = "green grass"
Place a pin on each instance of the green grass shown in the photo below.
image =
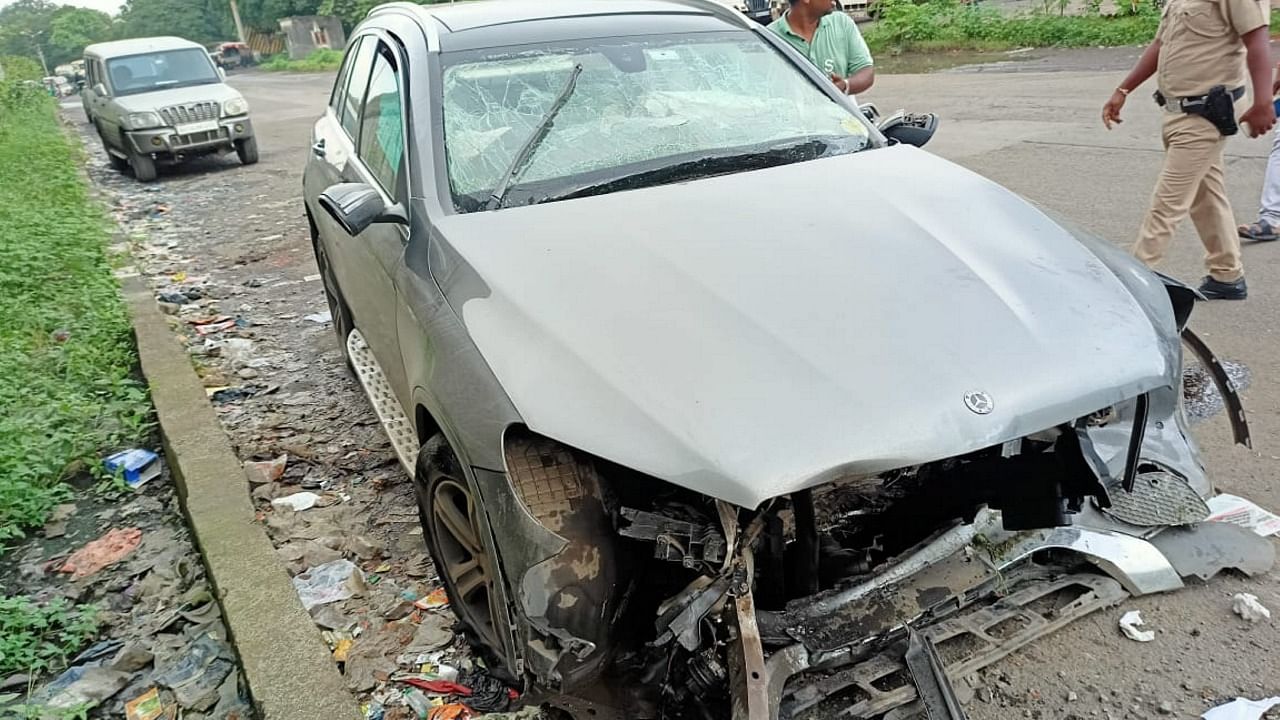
(938, 25)
(318, 61)
(39, 639)
(67, 389)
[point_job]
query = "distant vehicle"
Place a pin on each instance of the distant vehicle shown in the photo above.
(58, 86)
(163, 99)
(231, 54)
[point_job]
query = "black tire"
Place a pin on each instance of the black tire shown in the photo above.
(342, 323)
(442, 491)
(247, 150)
(144, 167)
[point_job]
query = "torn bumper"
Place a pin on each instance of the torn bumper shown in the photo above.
(842, 649)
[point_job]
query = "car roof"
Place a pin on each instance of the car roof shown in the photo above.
(137, 46)
(458, 17)
(493, 23)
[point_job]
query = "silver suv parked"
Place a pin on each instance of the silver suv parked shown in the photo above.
(162, 98)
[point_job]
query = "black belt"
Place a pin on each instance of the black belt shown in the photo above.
(1194, 104)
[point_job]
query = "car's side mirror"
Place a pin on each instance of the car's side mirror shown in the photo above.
(100, 90)
(222, 73)
(356, 206)
(910, 129)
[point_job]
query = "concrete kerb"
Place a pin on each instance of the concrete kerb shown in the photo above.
(286, 664)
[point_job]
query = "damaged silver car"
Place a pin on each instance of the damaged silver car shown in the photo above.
(714, 408)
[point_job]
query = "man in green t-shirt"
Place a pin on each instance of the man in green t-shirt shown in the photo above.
(831, 41)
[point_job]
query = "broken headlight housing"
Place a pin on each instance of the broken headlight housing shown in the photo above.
(142, 120)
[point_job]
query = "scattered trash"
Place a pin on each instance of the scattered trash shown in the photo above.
(297, 502)
(98, 652)
(132, 658)
(1130, 622)
(81, 685)
(197, 675)
(435, 599)
(320, 318)
(1239, 511)
(106, 550)
(60, 336)
(265, 472)
(173, 298)
(1246, 605)
(343, 649)
(215, 327)
(375, 711)
(433, 633)
(146, 706)
(488, 693)
(452, 711)
(232, 394)
(419, 703)
(330, 582)
(1241, 709)
(311, 278)
(438, 687)
(137, 466)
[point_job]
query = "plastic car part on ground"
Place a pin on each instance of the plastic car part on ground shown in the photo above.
(1241, 709)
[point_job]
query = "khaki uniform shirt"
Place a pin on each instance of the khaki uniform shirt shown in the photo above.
(1201, 44)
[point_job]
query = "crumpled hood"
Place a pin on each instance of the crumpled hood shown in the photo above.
(216, 92)
(753, 334)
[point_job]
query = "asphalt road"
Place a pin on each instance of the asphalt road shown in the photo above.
(1039, 134)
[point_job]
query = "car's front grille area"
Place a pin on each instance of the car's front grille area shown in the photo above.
(189, 113)
(200, 138)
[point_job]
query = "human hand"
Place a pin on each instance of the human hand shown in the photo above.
(1111, 110)
(841, 83)
(1260, 118)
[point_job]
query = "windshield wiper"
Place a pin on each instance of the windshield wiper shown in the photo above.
(701, 167)
(539, 134)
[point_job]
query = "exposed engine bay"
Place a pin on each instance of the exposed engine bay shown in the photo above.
(859, 598)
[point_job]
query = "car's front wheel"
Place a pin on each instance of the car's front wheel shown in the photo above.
(247, 150)
(463, 556)
(144, 166)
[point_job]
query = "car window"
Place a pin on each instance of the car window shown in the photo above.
(340, 85)
(357, 83)
(637, 101)
(381, 145)
(145, 72)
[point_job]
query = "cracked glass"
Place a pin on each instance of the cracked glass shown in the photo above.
(639, 104)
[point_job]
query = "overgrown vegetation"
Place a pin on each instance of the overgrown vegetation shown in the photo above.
(951, 25)
(318, 61)
(67, 392)
(37, 639)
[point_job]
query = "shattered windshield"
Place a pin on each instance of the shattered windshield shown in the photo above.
(640, 105)
(134, 74)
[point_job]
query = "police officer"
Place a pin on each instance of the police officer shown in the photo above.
(831, 41)
(1200, 56)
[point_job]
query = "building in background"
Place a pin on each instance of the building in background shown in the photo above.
(306, 33)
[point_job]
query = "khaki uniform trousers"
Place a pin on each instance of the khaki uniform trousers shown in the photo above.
(1192, 180)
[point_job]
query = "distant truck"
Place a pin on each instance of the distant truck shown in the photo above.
(163, 99)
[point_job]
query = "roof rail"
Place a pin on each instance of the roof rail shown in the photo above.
(402, 5)
(724, 12)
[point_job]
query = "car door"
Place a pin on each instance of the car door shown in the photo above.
(373, 151)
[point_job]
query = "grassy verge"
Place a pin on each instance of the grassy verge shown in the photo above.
(939, 25)
(67, 393)
(318, 61)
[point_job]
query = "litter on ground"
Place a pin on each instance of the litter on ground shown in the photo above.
(1246, 605)
(1129, 624)
(106, 550)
